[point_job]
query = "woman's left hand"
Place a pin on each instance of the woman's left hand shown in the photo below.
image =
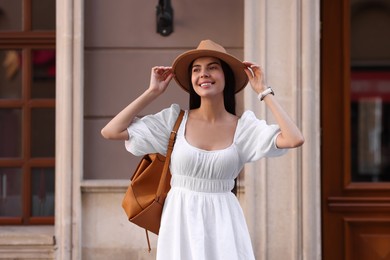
(290, 135)
(256, 76)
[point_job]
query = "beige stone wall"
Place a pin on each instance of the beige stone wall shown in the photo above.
(106, 233)
(27, 242)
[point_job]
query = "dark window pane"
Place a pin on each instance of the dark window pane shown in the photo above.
(43, 15)
(42, 132)
(10, 133)
(370, 91)
(42, 188)
(10, 15)
(43, 74)
(10, 74)
(370, 126)
(10, 192)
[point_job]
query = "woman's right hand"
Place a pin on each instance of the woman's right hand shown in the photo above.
(160, 78)
(116, 129)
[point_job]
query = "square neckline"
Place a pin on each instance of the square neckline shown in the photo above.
(204, 150)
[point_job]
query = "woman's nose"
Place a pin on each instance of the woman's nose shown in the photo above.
(204, 74)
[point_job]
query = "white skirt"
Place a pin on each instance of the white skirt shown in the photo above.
(203, 226)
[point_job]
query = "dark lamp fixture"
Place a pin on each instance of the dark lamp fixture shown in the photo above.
(164, 17)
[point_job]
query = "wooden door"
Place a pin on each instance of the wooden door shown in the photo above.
(354, 87)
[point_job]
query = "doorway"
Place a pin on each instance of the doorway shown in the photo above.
(355, 112)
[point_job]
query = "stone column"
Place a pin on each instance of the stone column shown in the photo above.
(69, 115)
(283, 194)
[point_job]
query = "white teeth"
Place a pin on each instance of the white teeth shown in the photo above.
(205, 84)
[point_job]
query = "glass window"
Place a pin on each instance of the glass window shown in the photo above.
(42, 132)
(43, 74)
(10, 15)
(42, 189)
(27, 111)
(10, 133)
(370, 91)
(10, 74)
(10, 192)
(43, 15)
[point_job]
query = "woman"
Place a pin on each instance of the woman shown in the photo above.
(202, 219)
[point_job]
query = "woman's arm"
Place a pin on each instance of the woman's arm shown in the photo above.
(290, 135)
(116, 129)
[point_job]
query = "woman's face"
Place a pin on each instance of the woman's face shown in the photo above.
(207, 76)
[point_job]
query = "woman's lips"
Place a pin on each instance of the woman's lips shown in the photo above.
(206, 84)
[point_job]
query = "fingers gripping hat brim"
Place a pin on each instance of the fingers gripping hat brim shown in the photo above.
(208, 48)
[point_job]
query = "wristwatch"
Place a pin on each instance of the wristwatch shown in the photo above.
(262, 95)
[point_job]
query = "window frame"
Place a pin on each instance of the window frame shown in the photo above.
(27, 41)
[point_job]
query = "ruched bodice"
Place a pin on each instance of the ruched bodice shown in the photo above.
(200, 170)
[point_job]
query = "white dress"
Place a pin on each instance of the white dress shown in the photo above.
(202, 219)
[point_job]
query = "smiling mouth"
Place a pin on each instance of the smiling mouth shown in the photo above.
(206, 84)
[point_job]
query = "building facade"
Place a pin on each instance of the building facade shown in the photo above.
(104, 53)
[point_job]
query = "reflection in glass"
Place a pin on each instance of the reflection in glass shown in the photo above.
(10, 74)
(370, 91)
(42, 132)
(43, 74)
(43, 15)
(10, 15)
(10, 132)
(10, 192)
(42, 189)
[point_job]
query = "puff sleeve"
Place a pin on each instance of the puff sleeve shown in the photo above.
(150, 134)
(256, 139)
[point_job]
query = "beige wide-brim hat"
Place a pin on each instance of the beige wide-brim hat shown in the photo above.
(208, 48)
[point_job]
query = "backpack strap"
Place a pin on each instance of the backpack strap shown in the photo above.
(171, 143)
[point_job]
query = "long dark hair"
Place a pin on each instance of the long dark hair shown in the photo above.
(228, 92)
(229, 98)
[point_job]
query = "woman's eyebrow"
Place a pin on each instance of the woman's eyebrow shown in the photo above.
(211, 63)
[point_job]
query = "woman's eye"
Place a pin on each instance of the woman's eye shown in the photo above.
(214, 67)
